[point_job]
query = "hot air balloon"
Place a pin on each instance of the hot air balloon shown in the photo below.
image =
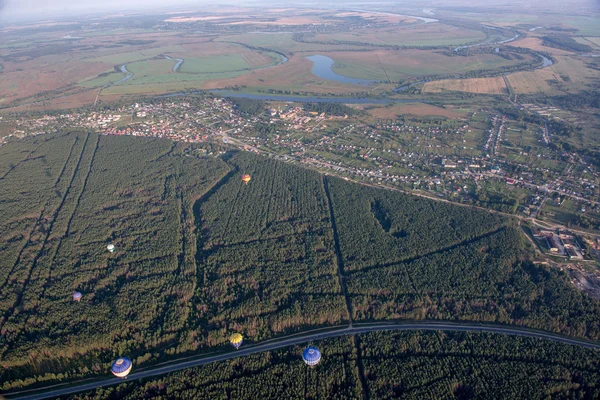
(246, 178)
(77, 296)
(111, 248)
(236, 340)
(311, 356)
(121, 367)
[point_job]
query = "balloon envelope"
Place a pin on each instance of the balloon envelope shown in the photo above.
(110, 247)
(246, 178)
(121, 367)
(77, 296)
(311, 355)
(236, 340)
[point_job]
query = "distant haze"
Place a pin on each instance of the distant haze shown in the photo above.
(14, 10)
(40, 9)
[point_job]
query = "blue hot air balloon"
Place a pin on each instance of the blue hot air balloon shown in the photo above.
(77, 296)
(311, 356)
(121, 367)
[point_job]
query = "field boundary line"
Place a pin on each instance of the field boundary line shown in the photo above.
(338, 251)
(70, 220)
(45, 241)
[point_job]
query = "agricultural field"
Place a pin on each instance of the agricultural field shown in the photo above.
(287, 17)
(568, 74)
(492, 85)
(594, 40)
(31, 77)
(423, 35)
(579, 76)
(199, 254)
(586, 26)
(384, 365)
(535, 43)
(534, 81)
(403, 64)
(215, 64)
(281, 42)
(128, 57)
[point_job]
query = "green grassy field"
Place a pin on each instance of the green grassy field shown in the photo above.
(282, 42)
(103, 80)
(213, 64)
(128, 57)
(157, 74)
(587, 26)
(594, 40)
(428, 35)
(410, 63)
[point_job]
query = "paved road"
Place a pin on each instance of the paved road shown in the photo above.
(306, 337)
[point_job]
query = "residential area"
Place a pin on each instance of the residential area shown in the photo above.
(473, 160)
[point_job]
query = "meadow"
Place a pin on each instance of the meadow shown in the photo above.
(403, 64)
(282, 42)
(422, 35)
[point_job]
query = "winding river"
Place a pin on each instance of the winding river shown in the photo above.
(488, 43)
(177, 65)
(546, 61)
(305, 99)
(322, 68)
(128, 76)
(422, 19)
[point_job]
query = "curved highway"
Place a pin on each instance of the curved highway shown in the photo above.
(274, 344)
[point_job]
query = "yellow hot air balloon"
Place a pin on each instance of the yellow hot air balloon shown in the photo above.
(236, 340)
(246, 178)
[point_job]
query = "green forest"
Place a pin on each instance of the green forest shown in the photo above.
(388, 365)
(199, 255)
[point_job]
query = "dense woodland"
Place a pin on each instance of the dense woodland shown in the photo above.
(564, 42)
(331, 109)
(199, 254)
(388, 365)
(248, 106)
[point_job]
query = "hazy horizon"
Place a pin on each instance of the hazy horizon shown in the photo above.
(20, 10)
(40, 9)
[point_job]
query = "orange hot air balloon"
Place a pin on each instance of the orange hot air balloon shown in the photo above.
(246, 178)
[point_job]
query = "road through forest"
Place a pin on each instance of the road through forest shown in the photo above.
(278, 343)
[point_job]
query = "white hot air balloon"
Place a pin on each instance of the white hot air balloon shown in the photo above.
(111, 248)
